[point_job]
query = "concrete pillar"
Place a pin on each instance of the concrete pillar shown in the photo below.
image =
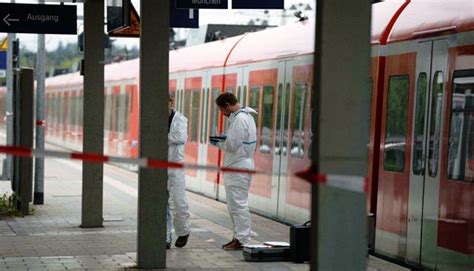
(152, 196)
(25, 138)
(40, 89)
(93, 110)
(342, 105)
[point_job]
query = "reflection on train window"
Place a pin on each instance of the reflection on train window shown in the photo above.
(461, 136)
(418, 152)
(396, 123)
(299, 120)
(214, 111)
(254, 102)
(195, 116)
(435, 123)
(267, 120)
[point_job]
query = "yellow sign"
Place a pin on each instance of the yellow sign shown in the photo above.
(4, 44)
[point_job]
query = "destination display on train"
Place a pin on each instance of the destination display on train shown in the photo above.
(39, 19)
(202, 4)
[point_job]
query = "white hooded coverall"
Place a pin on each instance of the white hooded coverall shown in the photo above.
(239, 148)
(177, 137)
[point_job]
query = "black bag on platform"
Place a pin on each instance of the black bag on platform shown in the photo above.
(266, 253)
(300, 242)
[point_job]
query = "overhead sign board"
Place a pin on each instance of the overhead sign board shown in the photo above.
(118, 14)
(202, 4)
(183, 18)
(258, 4)
(40, 19)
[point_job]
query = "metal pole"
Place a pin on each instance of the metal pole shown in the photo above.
(152, 196)
(342, 103)
(93, 110)
(40, 89)
(9, 105)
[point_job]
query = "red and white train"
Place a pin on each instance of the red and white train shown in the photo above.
(421, 151)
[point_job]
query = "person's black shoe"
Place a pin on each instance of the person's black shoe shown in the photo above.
(168, 245)
(181, 241)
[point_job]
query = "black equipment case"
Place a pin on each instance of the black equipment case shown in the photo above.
(265, 253)
(300, 241)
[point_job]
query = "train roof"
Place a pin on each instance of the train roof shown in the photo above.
(416, 18)
(113, 72)
(425, 18)
(289, 40)
(207, 55)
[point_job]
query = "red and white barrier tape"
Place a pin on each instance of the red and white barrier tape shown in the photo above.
(350, 183)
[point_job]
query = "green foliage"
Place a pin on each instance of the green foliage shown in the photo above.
(66, 58)
(7, 205)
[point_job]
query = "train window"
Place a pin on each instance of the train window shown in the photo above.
(61, 108)
(435, 123)
(121, 100)
(421, 89)
(72, 115)
(116, 108)
(195, 116)
(267, 119)
(278, 120)
(130, 107)
(299, 120)
(282, 134)
(244, 99)
(230, 90)
(81, 105)
(70, 109)
(107, 113)
(214, 111)
(126, 112)
(56, 109)
(396, 123)
(254, 102)
(187, 103)
(461, 136)
(239, 91)
(204, 103)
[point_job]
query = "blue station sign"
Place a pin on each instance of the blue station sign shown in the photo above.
(3, 60)
(39, 19)
(202, 4)
(183, 18)
(258, 4)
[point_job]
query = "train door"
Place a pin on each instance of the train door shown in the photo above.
(281, 148)
(423, 200)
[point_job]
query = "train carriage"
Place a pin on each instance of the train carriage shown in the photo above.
(421, 164)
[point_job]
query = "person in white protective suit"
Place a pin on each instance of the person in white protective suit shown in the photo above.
(239, 148)
(177, 137)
